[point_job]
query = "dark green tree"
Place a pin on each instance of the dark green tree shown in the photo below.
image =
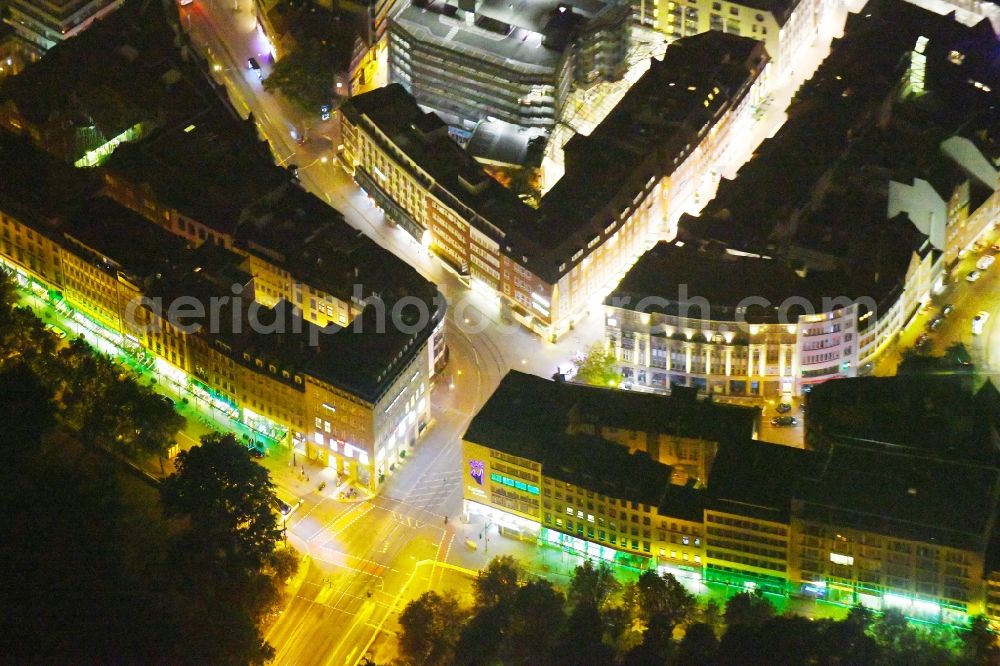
(537, 619)
(582, 642)
(979, 643)
(481, 636)
(657, 644)
(8, 295)
(497, 583)
(698, 647)
(748, 608)
(305, 76)
(712, 615)
(430, 625)
(661, 597)
(156, 423)
(229, 501)
(592, 586)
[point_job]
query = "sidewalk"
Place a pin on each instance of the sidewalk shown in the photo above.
(549, 562)
(298, 475)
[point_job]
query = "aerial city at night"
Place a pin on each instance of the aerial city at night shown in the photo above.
(489, 332)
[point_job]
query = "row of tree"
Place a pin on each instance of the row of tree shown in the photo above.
(98, 564)
(520, 620)
(102, 405)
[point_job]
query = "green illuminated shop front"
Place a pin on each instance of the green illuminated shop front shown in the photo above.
(578, 546)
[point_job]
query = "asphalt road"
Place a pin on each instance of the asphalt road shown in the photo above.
(362, 556)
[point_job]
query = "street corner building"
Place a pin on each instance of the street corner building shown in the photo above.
(877, 515)
(351, 338)
(826, 244)
(654, 157)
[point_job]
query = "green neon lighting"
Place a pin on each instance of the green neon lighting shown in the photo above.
(513, 483)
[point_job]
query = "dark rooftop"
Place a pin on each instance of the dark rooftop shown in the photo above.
(756, 478)
(209, 170)
(124, 240)
(532, 406)
(311, 240)
(947, 502)
(536, 418)
(776, 204)
(363, 358)
(872, 266)
(662, 113)
(36, 186)
(930, 416)
(122, 71)
(604, 467)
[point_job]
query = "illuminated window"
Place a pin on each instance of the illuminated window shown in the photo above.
(837, 558)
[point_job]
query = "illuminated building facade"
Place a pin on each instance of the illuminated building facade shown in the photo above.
(625, 184)
(353, 397)
(45, 24)
(852, 524)
(750, 326)
(784, 282)
(787, 28)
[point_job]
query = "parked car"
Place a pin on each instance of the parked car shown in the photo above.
(973, 276)
(784, 421)
(255, 66)
(784, 408)
(58, 332)
(985, 262)
(947, 310)
(922, 340)
(256, 452)
(935, 324)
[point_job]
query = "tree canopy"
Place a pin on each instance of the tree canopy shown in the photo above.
(597, 367)
(516, 618)
(305, 76)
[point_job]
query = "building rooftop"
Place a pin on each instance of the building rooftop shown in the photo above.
(122, 240)
(930, 416)
(950, 503)
(500, 143)
(519, 49)
(602, 466)
(34, 185)
(796, 195)
(528, 404)
(209, 169)
(526, 35)
(683, 279)
(756, 478)
(544, 420)
(660, 116)
(122, 71)
(311, 240)
(363, 358)
(459, 179)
